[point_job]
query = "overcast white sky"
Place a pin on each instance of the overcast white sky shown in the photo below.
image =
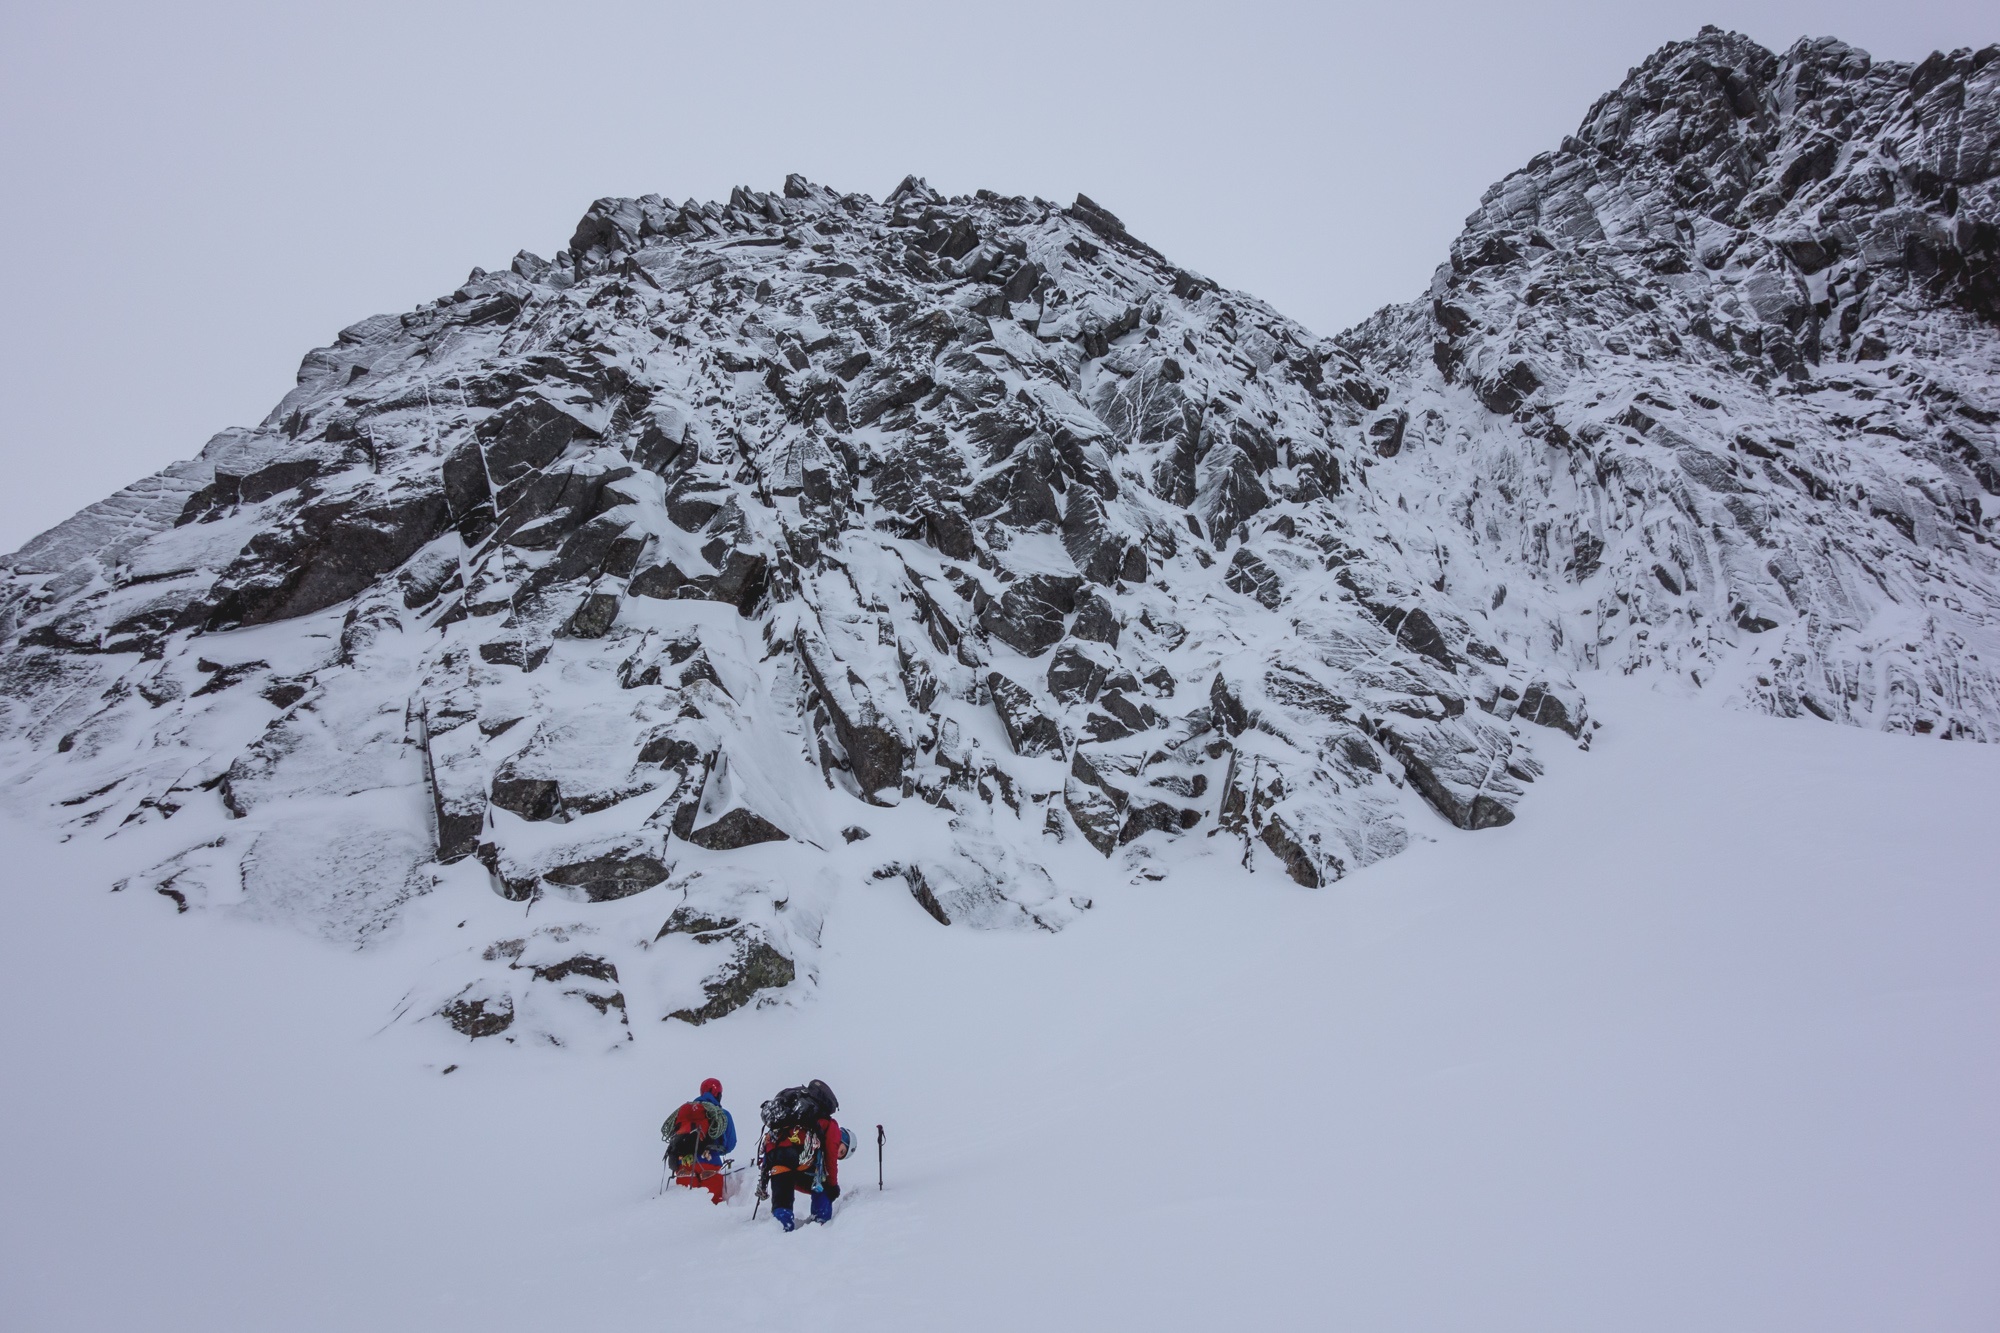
(196, 194)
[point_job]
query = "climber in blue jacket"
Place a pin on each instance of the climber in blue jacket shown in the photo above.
(699, 1135)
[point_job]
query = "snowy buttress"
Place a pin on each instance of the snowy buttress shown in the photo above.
(753, 551)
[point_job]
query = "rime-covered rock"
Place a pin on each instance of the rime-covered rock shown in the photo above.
(1733, 344)
(634, 580)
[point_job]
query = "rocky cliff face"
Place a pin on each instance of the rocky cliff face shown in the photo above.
(1716, 384)
(649, 583)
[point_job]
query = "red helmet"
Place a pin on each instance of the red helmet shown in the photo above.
(712, 1087)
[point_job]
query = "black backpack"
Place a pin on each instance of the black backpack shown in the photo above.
(799, 1107)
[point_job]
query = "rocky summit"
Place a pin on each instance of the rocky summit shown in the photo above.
(968, 548)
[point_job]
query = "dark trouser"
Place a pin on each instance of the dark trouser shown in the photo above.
(785, 1183)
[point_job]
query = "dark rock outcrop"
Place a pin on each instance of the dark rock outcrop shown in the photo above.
(753, 966)
(479, 1016)
(1030, 730)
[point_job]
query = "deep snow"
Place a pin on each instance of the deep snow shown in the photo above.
(1708, 1041)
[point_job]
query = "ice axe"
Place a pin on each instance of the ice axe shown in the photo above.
(879, 1139)
(763, 1166)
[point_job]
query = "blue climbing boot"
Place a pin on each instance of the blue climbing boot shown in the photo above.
(822, 1208)
(784, 1216)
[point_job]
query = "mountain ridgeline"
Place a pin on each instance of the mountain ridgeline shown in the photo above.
(747, 553)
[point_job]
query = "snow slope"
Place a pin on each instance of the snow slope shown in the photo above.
(1707, 1041)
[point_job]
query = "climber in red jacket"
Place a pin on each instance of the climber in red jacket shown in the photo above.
(801, 1149)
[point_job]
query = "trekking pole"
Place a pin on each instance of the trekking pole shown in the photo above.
(763, 1167)
(879, 1138)
(665, 1157)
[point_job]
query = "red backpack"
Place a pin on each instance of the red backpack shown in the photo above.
(688, 1130)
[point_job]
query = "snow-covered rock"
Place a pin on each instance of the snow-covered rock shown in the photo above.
(1711, 391)
(648, 579)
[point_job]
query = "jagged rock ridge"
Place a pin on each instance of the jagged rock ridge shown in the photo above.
(1718, 380)
(652, 580)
